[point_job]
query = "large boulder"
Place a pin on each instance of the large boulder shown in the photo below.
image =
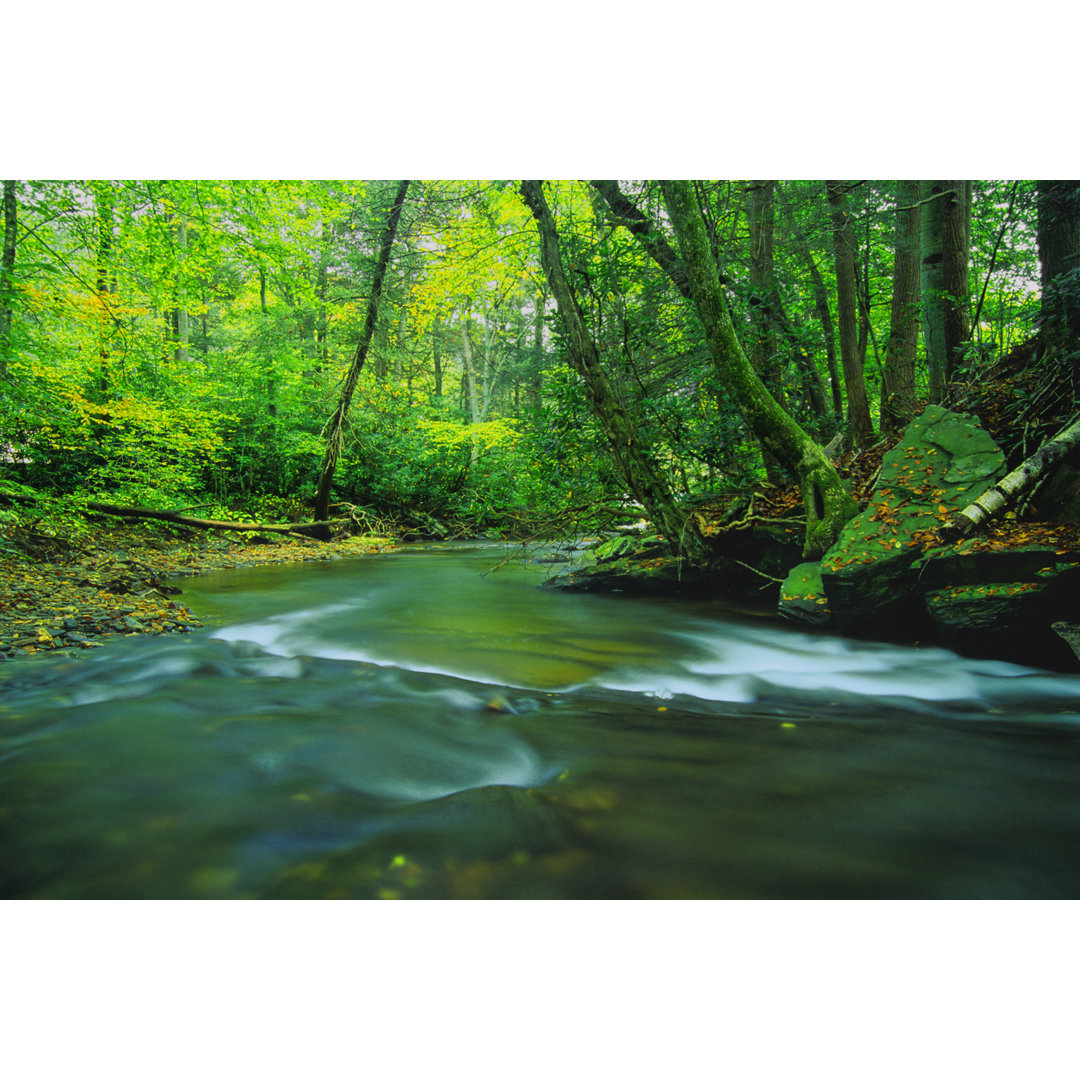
(880, 578)
(943, 462)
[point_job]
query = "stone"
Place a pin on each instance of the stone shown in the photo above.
(1003, 602)
(1069, 633)
(1012, 620)
(620, 547)
(943, 462)
(802, 596)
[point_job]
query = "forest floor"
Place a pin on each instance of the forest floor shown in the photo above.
(119, 581)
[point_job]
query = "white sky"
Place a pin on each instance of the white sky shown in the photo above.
(567, 88)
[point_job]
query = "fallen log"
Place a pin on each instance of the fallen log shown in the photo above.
(316, 530)
(1025, 476)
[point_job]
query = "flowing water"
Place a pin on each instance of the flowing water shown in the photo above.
(409, 726)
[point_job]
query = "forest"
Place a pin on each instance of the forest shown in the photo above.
(505, 358)
(670, 539)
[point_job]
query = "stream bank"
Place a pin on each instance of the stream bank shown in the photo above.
(74, 594)
(897, 571)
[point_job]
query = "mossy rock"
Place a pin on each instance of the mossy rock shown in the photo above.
(618, 547)
(802, 596)
(969, 562)
(943, 462)
(998, 606)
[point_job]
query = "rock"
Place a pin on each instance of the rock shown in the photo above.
(663, 575)
(943, 462)
(620, 547)
(880, 579)
(1003, 602)
(802, 596)
(1069, 633)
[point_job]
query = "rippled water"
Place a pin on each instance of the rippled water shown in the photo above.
(409, 726)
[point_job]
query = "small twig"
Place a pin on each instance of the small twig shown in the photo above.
(760, 573)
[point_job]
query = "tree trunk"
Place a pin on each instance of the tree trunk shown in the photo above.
(828, 505)
(821, 302)
(1059, 254)
(104, 201)
(183, 324)
(625, 213)
(318, 530)
(267, 354)
(403, 322)
(858, 409)
(955, 252)
(468, 373)
(679, 529)
(7, 272)
(335, 428)
(762, 349)
(326, 232)
(436, 359)
(898, 386)
(536, 380)
(817, 393)
(932, 195)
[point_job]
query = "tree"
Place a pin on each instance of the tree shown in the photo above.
(828, 505)
(945, 252)
(898, 387)
(764, 301)
(1059, 258)
(679, 529)
(858, 409)
(335, 428)
(956, 261)
(104, 200)
(821, 306)
(7, 271)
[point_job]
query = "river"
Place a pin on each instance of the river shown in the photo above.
(413, 726)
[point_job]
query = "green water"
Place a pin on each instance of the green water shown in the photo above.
(409, 726)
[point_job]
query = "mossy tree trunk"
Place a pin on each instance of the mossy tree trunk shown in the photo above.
(763, 353)
(1059, 255)
(649, 487)
(828, 505)
(898, 389)
(335, 428)
(861, 429)
(955, 272)
(945, 246)
(797, 238)
(7, 272)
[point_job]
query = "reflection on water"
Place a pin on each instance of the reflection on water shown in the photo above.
(405, 726)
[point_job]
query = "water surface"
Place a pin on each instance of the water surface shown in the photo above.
(408, 726)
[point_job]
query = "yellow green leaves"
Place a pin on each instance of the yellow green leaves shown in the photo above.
(497, 434)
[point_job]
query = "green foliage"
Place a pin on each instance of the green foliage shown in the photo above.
(181, 342)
